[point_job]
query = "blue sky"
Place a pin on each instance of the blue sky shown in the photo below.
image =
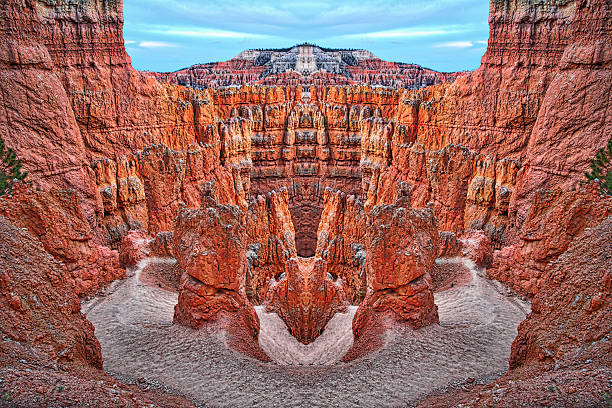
(166, 35)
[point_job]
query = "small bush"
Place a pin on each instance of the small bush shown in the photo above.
(10, 169)
(601, 169)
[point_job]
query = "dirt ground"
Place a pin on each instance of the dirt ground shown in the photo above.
(139, 342)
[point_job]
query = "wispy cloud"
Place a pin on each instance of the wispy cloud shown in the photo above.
(156, 44)
(408, 33)
(200, 32)
(455, 44)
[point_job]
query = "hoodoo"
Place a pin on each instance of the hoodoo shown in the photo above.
(182, 238)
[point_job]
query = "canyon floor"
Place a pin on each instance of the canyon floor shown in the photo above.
(478, 322)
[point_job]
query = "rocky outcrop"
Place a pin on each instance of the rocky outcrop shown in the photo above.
(33, 293)
(341, 241)
(57, 219)
(306, 298)
(570, 315)
(467, 190)
(271, 241)
(401, 246)
(555, 220)
(145, 190)
(37, 120)
(47, 339)
(210, 246)
(495, 149)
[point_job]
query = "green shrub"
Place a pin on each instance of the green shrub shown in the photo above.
(10, 169)
(601, 169)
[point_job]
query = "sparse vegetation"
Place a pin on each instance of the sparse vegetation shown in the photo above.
(10, 169)
(601, 169)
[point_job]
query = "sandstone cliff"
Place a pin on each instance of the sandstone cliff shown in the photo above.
(57, 219)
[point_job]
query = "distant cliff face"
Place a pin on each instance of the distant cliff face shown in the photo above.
(306, 64)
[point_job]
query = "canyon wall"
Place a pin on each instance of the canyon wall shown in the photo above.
(477, 147)
(135, 150)
(38, 120)
(554, 221)
(489, 136)
(57, 219)
(34, 293)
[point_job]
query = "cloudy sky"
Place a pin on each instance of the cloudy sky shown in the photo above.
(166, 35)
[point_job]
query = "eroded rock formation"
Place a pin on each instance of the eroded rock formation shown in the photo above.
(554, 221)
(271, 240)
(480, 149)
(210, 246)
(306, 298)
(341, 242)
(401, 246)
(57, 219)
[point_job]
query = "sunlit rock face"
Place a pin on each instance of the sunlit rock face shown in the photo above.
(401, 246)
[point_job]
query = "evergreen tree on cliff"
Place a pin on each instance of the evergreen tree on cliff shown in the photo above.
(601, 169)
(10, 169)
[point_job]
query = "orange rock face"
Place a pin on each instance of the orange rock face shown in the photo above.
(134, 150)
(33, 293)
(341, 242)
(306, 298)
(401, 246)
(554, 221)
(211, 251)
(571, 299)
(271, 242)
(57, 219)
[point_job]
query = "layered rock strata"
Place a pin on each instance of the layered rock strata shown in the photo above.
(478, 149)
(305, 64)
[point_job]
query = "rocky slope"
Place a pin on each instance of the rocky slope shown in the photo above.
(49, 355)
(57, 219)
(561, 356)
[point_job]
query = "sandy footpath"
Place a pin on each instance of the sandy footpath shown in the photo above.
(477, 327)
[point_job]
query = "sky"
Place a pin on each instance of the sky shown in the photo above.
(167, 35)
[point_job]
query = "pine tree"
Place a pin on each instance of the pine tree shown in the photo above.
(10, 169)
(601, 169)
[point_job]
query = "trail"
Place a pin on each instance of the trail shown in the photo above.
(477, 327)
